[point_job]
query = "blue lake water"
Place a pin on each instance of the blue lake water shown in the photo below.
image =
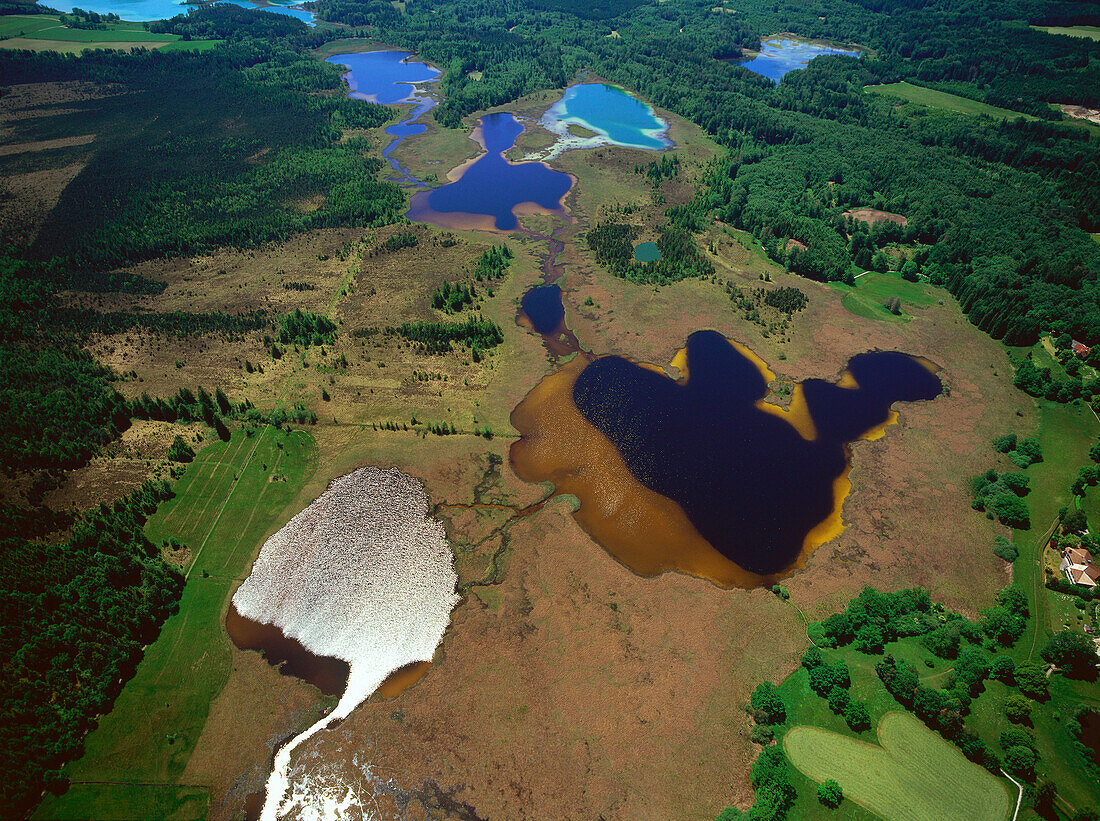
(647, 252)
(543, 306)
(385, 77)
(779, 55)
(139, 11)
(491, 186)
(613, 114)
(750, 483)
(142, 11)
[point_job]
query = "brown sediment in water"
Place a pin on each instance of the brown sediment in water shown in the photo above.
(644, 530)
(402, 679)
(329, 675)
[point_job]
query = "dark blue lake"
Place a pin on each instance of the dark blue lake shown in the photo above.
(491, 188)
(384, 77)
(544, 308)
(778, 55)
(752, 485)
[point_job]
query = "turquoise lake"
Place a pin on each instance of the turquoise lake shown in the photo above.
(144, 11)
(139, 11)
(613, 114)
(647, 252)
(779, 55)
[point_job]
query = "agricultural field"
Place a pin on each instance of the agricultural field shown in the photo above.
(44, 32)
(944, 101)
(1086, 32)
(909, 773)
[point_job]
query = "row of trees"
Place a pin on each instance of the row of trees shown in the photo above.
(476, 333)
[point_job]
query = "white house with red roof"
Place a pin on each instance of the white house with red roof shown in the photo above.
(1080, 567)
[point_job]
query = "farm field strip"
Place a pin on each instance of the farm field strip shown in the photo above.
(945, 101)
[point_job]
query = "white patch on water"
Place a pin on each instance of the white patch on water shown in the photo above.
(364, 575)
(557, 120)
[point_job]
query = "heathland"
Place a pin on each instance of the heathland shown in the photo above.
(205, 245)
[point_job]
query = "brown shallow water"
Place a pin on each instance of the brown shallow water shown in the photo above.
(647, 531)
(329, 675)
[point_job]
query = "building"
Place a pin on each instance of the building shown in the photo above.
(1080, 349)
(1080, 567)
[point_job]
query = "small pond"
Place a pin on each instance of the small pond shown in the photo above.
(647, 252)
(543, 307)
(616, 118)
(779, 55)
(491, 189)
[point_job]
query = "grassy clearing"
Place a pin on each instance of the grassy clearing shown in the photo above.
(915, 774)
(44, 32)
(1087, 32)
(1066, 433)
(232, 496)
(117, 802)
(871, 290)
(944, 101)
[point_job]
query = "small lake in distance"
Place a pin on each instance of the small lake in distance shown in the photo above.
(647, 252)
(387, 78)
(144, 11)
(779, 55)
(139, 11)
(491, 188)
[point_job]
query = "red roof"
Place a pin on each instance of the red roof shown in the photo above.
(1080, 348)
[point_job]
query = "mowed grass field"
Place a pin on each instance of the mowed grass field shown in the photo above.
(44, 32)
(1088, 32)
(872, 289)
(942, 100)
(231, 498)
(913, 776)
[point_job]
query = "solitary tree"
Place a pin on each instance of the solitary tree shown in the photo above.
(830, 794)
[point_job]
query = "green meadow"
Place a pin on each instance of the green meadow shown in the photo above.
(231, 498)
(914, 775)
(1087, 32)
(872, 289)
(942, 100)
(44, 32)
